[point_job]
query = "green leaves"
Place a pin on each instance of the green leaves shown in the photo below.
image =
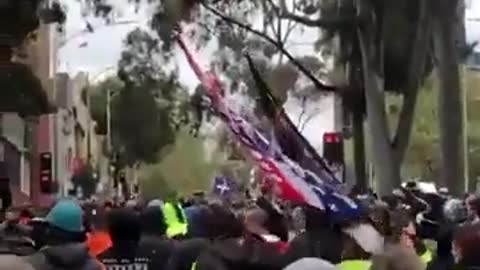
(141, 127)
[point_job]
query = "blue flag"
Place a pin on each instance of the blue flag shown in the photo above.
(223, 186)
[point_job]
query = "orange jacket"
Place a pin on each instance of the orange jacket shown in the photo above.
(98, 242)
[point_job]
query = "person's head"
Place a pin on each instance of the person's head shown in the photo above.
(98, 220)
(402, 228)
(153, 221)
(473, 206)
(315, 218)
(455, 211)
(223, 223)
(65, 223)
(255, 220)
(124, 226)
(108, 206)
(466, 243)
(11, 215)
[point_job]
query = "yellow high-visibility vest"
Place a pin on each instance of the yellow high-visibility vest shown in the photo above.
(175, 226)
(354, 265)
(426, 257)
(194, 266)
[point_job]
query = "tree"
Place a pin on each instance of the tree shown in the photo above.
(445, 16)
(187, 167)
(423, 158)
(150, 104)
(385, 45)
(140, 128)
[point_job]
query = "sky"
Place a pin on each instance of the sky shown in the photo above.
(105, 45)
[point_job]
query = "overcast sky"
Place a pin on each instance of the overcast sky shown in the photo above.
(105, 44)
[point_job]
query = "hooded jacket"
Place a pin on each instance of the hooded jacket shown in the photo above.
(69, 257)
(186, 253)
(130, 249)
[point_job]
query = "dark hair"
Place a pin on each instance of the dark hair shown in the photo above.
(223, 223)
(124, 225)
(153, 221)
(315, 218)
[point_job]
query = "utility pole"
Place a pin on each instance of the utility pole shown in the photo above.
(466, 167)
(109, 140)
(89, 123)
(109, 121)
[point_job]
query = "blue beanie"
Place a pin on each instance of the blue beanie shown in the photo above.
(66, 215)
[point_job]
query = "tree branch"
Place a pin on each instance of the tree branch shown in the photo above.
(417, 63)
(308, 119)
(302, 113)
(294, 61)
(330, 23)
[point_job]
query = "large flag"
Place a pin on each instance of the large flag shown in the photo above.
(296, 183)
(291, 141)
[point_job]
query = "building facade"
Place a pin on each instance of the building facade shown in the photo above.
(24, 138)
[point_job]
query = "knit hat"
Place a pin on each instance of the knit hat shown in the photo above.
(310, 264)
(66, 215)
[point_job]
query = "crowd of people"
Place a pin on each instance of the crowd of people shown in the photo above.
(407, 230)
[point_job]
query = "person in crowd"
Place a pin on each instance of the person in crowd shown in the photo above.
(397, 257)
(255, 222)
(175, 219)
(12, 225)
(12, 262)
(64, 247)
(321, 239)
(473, 208)
(99, 239)
(25, 216)
(277, 222)
(197, 221)
(127, 250)
(465, 247)
(230, 250)
(153, 238)
(310, 264)
(39, 232)
(125, 229)
(198, 238)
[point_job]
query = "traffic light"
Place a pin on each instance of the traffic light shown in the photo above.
(46, 181)
(333, 147)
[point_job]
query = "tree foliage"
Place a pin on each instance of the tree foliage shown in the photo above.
(423, 157)
(385, 46)
(187, 167)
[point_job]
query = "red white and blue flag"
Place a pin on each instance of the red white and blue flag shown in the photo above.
(296, 183)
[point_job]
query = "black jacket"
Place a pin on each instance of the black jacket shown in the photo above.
(235, 254)
(149, 254)
(324, 244)
(64, 257)
(186, 253)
